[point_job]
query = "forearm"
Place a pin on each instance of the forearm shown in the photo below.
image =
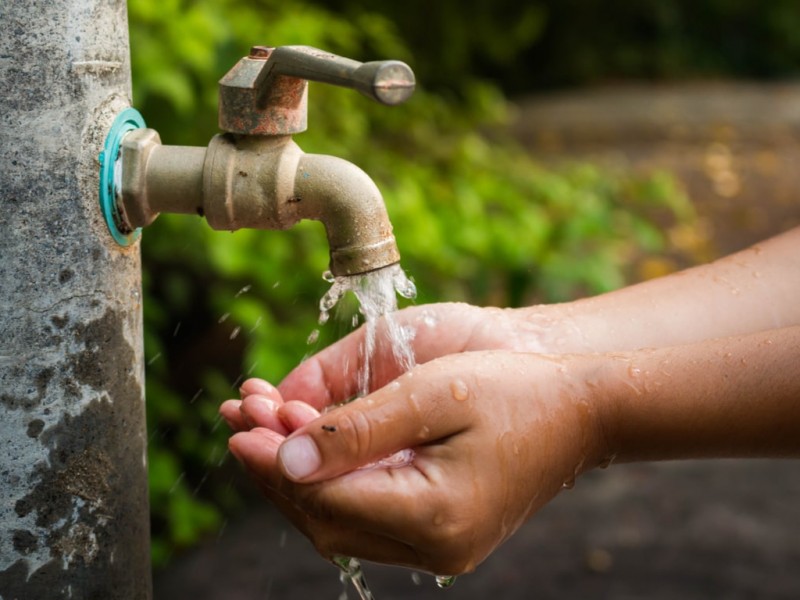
(732, 397)
(753, 290)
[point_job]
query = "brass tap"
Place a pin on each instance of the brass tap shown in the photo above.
(254, 175)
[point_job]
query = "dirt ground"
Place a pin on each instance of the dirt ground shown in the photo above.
(693, 530)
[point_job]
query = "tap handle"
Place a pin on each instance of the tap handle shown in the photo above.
(389, 81)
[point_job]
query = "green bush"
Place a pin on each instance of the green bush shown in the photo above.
(475, 219)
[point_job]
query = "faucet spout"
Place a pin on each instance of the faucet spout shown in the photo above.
(259, 182)
(350, 206)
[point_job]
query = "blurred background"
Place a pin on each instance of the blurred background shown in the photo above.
(554, 149)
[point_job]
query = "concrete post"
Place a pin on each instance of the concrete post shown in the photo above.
(74, 518)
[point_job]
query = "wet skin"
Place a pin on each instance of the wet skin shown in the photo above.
(703, 363)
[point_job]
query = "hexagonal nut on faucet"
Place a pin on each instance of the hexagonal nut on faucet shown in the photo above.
(135, 151)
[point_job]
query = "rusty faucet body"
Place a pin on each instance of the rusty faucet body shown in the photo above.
(254, 175)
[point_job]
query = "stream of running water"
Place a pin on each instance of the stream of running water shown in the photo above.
(377, 297)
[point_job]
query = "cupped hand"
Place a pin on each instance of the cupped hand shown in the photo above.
(332, 376)
(494, 435)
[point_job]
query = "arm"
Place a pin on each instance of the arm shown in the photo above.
(753, 290)
(731, 397)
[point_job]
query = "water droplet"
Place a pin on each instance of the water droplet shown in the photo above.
(224, 317)
(424, 432)
(606, 462)
(196, 396)
(445, 581)
(177, 327)
(244, 290)
(235, 332)
(459, 390)
(256, 325)
(415, 578)
(282, 541)
(276, 284)
(634, 371)
(177, 482)
(222, 529)
(154, 359)
(568, 484)
(199, 485)
(393, 386)
(429, 319)
(328, 276)
(403, 285)
(324, 315)
(351, 571)
(313, 337)
(354, 321)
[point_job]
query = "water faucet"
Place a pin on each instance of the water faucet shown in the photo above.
(254, 175)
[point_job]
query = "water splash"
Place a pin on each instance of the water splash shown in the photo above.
(376, 293)
(445, 581)
(244, 290)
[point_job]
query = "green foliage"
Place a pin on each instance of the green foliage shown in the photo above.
(475, 219)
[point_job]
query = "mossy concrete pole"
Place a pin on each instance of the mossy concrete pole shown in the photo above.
(73, 490)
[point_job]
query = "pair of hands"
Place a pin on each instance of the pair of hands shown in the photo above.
(480, 435)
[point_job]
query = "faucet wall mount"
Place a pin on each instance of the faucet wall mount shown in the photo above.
(254, 175)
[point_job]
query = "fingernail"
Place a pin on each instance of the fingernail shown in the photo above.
(299, 457)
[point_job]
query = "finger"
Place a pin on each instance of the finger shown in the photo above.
(405, 414)
(260, 411)
(295, 414)
(229, 410)
(331, 376)
(257, 450)
(255, 385)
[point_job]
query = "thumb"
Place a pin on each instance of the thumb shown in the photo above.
(398, 416)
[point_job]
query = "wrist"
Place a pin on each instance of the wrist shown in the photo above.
(600, 401)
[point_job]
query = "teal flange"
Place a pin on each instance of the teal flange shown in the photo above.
(125, 122)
